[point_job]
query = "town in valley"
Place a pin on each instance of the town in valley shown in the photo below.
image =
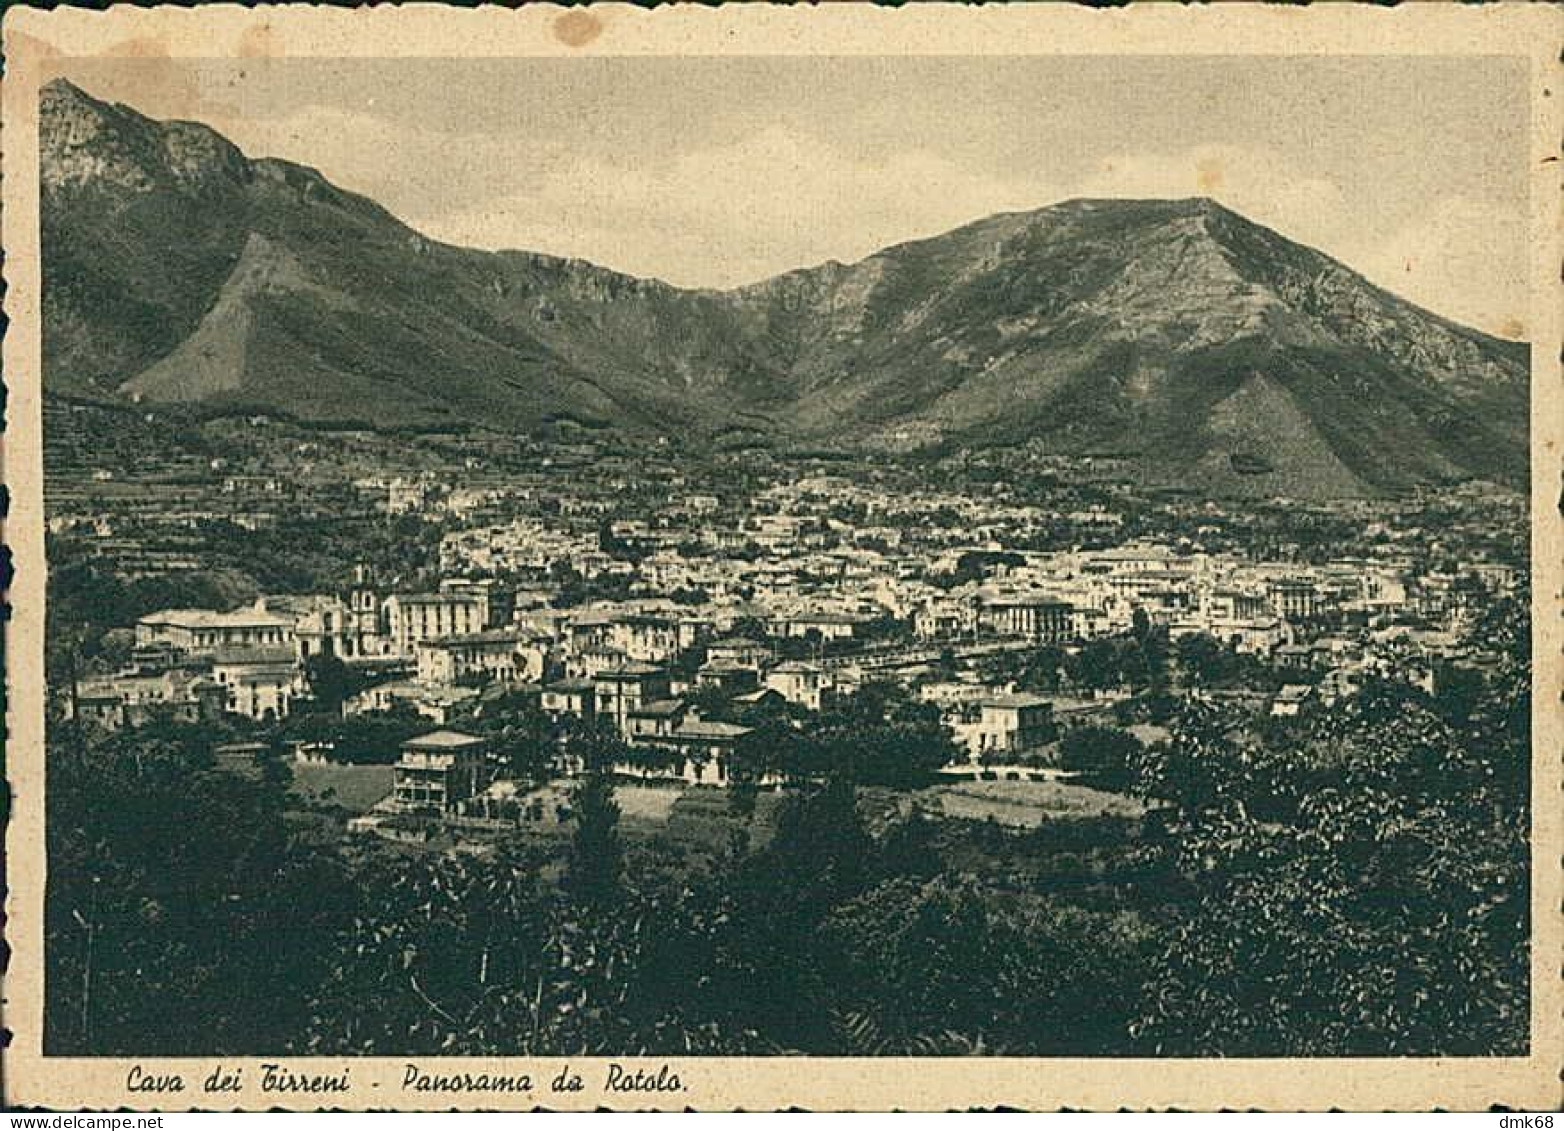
(677, 606)
(1100, 629)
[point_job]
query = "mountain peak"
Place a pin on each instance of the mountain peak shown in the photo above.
(1160, 203)
(86, 143)
(1199, 346)
(59, 92)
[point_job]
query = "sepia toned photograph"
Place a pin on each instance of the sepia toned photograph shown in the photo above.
(608, 561)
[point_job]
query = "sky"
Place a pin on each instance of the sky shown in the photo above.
(715, 172)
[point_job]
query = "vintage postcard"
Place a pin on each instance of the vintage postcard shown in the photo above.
(764, 557)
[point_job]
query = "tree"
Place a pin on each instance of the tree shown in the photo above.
(1377, 924)
(910, 848)
(1364, 874)
(368, 738)
(1458, 691)
(750, 628)
(776, 747)
(1148, 656)
(1096, 666)
(711, 702)
(1107, 755)
(453, 951)
(182, 915)
(764, 971)
(880, 735)
(939, 965)
(593, 744)
(1198, 768)
(1500, 723)
(946, 665)
(821, 839)
(1043, 669)
(519, 732)
(1204, 660)
(901, 755)
(975, 565)
(330, 681)
(596, 856)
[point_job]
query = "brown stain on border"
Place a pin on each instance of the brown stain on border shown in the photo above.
(139, 47)
(1210, 173)
(21, 45)
(256, 42)
(577, 28)
(154, 84)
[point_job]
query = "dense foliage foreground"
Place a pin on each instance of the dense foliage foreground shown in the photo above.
(1351, 884)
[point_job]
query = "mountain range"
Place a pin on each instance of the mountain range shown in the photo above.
(1207, 350)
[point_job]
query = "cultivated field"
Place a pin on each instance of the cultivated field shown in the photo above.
(355, 788)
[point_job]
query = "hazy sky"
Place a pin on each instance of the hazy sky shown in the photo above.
(719, 171)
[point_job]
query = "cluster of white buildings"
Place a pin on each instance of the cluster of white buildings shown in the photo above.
(821, 589)
(1255, 606)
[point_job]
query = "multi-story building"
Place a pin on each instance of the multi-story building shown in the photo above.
(415, 617)
(502, 655)
(204, 631)
(1029, 617)
(727, 677)
(587, 628)
(703, 750)
(1259, 637)
(438, 771)
(827, 626)
(330, 626)
(586, 663)
(1293, 599)
(620, 691)
(480, 590)
(260, 683)
(135, 696)
(738, 650)
(801, 683)
(1009, 724)
(644, 638)
(572, 697)
(653, 720)
(943, 620)
(1228, 603)
(1290, 700)
(403, 497)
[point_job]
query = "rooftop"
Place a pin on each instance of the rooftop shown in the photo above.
(1029, 600)
(629, 671)
(239, 748)
(491, 636)
(253, 656)
(659, 708)
(1131, 553)
(442, 740)
(708, 729)
(211, 618)
(1016, 702)
(755, 696)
